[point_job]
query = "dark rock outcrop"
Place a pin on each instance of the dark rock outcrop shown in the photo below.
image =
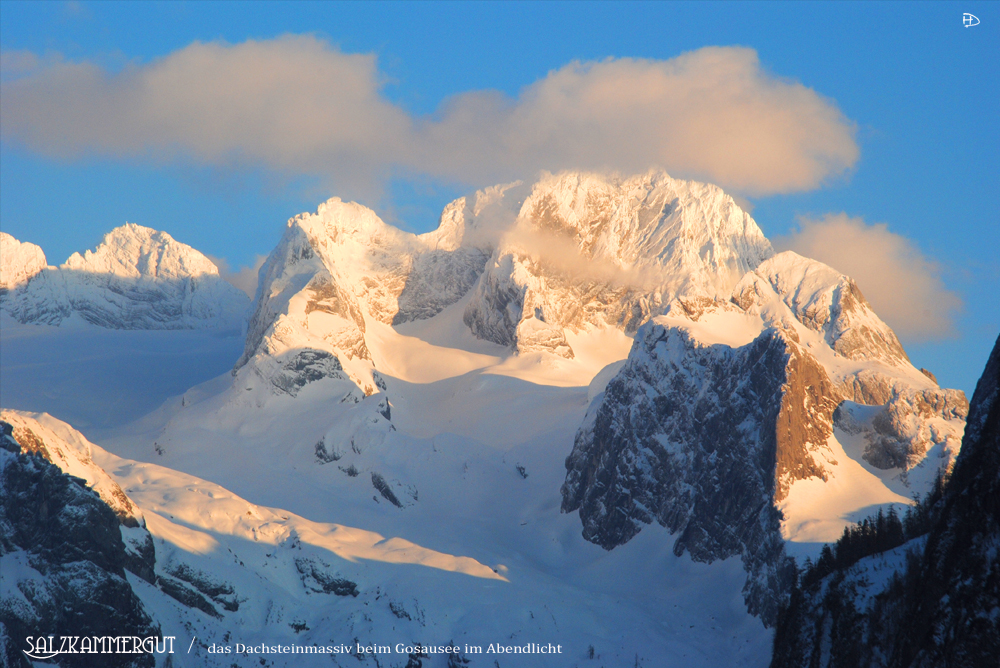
(306, 366)
(702, 439)
(66, 558)
(317, 578)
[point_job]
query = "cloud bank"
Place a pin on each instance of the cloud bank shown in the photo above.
(902, 285)
(298, 105)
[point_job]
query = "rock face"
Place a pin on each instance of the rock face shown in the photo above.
(583, 249)
(723, 406)
(899, 433)
(63, 554)
(939, 604)
(703, 468)
(137, 278)
(19, 262)
(334, 268)
(67, 450)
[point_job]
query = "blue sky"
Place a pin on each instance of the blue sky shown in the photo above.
(918, 92)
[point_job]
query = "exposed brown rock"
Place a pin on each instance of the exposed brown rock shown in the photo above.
(805, 421)
(30, 443)
(327, 297)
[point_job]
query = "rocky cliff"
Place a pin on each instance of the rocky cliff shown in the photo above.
(723, 406)
(64, 550)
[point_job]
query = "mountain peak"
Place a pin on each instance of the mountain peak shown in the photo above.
(135, 251)
(19, 262)
(825, 301)
(136, 278)
(594, 250)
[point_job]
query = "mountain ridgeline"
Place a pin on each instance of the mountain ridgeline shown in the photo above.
(761, 403)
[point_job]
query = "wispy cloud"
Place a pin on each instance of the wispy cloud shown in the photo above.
(244, 278)
(298, 105)
(901, 283)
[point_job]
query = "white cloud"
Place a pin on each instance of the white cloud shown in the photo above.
(298, 105)
(713, 114)
(901, 283)
(245, 278)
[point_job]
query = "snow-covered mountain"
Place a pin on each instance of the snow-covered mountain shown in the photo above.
(330, 272)
(592, 251)
(736, 422)
(591, 410)
(573, 251)
(137, 278)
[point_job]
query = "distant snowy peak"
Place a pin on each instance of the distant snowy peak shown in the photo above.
(592, 250)
(19, 262)
(133, 251)
(137, 278)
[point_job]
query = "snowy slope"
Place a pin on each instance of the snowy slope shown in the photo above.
(230, 570)
(137, 278)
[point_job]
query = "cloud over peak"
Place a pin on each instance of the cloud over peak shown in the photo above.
(298, 105)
